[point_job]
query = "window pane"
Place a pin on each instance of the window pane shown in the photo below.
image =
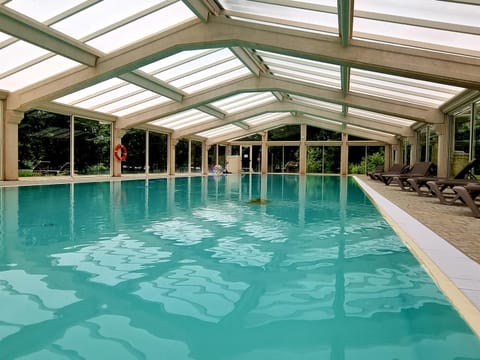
(181, 156)
(92, 147)
(461, 140)
(44, 144)
(134, 141)
(157, 153)
(285, 133)
(196, 157)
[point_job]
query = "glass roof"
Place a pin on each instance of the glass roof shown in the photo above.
(177, 64)
(432, 24)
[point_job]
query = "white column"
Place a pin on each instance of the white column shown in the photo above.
(303, 150)
(412, 140)
(442, 153)
(171, 156)
(117, 139)
(344, 155)
(10, 143)
(264, 159)
(205, 149)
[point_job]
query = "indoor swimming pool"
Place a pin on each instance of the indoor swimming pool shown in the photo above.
(229, 267)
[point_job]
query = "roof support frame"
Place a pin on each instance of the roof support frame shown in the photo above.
(268, 83)
(34, 32)
(425, 65)
(288, 106)
(299, 119)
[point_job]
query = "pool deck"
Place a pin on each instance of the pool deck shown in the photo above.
(446, 240)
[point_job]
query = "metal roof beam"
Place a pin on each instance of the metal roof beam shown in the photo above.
(426, 65)
(269, 83)
(345, 20)
(151, 83)
(34, 32)
(293, 120)
(288, 106)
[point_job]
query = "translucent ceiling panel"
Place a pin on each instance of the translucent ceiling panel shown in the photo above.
(435, 25)
(110, 96)
(320, 16)
(18, 54)
(38, 72)
(161, 100)
(183, 119)
(147, 25)
(302, 69)
(265, 118)
(102, 15)
(380, 117)
(42, 10)
(91, 91)
(223, 130)
(192, 71)
(400, 88)
(370, 131)
(244, 101)
(316, 103)
(131, 100)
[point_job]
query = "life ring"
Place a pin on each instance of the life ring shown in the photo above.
(120, 152)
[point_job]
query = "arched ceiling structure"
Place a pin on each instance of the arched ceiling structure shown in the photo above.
(223, 69)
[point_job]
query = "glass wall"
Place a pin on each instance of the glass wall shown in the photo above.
(318, 134)
(285, 133)
(362, 159)
(284, 159)
(157, 153)
(181, 156)
(476, 134)
(43, 144)
(323, 159)
(92, 147)
(256, 158)
(135, 142)
(195, 156)
(461, 140)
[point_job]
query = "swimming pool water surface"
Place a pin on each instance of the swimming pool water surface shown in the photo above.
(190, 268)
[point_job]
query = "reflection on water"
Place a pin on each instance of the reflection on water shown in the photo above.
(186, 268)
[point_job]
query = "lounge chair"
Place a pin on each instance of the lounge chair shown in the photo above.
(468, 194)
(419, 184)
(395, 169)
(443, 189)
(378, 169)
(421, 168)
(43, 168)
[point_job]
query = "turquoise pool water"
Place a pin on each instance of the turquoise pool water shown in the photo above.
(187, 268)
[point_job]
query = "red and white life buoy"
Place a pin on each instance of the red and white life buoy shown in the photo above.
(120, 152)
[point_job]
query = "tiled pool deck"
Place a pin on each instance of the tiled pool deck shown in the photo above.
(445, 238)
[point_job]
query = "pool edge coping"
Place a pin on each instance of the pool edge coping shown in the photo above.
(436, 268)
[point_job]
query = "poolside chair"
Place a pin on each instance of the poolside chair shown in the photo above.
(378, 169)
(468, 194)
(419, 184)
(395, 169)
(443, 189)
(43, 168)
(421, 168)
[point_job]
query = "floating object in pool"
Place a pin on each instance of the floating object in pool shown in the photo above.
(217, 169)
(258, 201)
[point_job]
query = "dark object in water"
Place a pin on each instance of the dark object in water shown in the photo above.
(258, 201)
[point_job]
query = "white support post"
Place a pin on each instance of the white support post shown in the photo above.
(10, 144)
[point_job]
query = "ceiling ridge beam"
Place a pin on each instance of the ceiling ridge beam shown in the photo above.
(345, 20)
